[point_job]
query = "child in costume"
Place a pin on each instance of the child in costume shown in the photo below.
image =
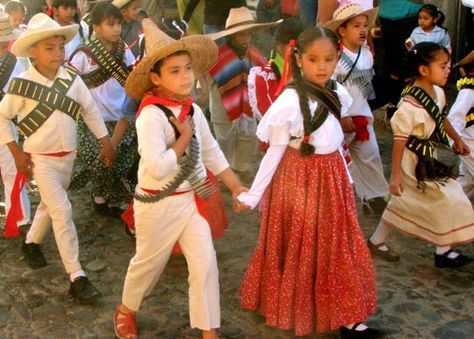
(354, 71)
(175, 143)
(232, 118)
(430, 28)
(16, 11)
(10, 67)
(311, 270)
(461, 116)
(426, 201)
(48, 98)
(131, 27)
(104, 63)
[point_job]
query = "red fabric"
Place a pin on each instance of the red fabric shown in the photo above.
(15, 213)
(311, 270)
(287, 6)
(57, 154)
(361, 123)
(49, 12)
(150, 99)
(286, 72)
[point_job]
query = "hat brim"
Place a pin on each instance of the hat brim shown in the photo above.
(203, 53)
(20, 46)
(120, 4)
(371, 15)
(258, 27)
(15, 34)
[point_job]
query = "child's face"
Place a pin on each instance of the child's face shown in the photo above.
(242, 39)
(426, 21)
(354, 32)
(176, 74)
(318, 61)
(16, 18)
(109, 30)
(3, 49)
(438, 70)
(130, 13)
(64, 15)
(49, 53)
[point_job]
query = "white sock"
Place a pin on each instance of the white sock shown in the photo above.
(380, 234)
(440, 250)
(73, 276)
(99, 200)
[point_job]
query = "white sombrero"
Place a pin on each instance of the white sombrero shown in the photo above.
(241, 19)
(39, 28)
(159, 45)
(7, 33)
(121, 3)
(349, 11)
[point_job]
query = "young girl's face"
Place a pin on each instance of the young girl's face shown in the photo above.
(16, 18)
(64, 15)
(437, 72)
(318, 61)
(176, 74)
(426, 21)
(109, 30)
(354, 32)
(130, 13)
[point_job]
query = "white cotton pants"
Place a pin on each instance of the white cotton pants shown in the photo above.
(53, 175)
(366, 167)
(158, 227)
(466, 171)
(8, 169)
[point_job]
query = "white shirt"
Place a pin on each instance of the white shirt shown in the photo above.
(283, 121)
(110, 96)
(457, 114)
(58, 133)
(360, 105)
(158, 163)
(77, 41)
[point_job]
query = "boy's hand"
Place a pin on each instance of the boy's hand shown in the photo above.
(239, 206)
(23, 162)
(460, 147)
(396, 185)
(185, 128)
(107, 152)
(347, 125)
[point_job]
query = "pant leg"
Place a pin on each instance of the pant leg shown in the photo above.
(244, 156)
(308, 11)
(158, 226)
(369, 179)
(197, 246)
(52, 175)
(466, 175)
(226, 138)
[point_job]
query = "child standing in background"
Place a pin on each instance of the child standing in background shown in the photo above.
(131, 27)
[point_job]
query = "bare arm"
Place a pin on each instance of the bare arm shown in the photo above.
(325, 10)
(459, 147)
(396, 183)
(119, 130)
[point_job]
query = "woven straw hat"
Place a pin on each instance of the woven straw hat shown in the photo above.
(121, 3)
(39, 28)
(6, 30)
(349, 11)
(159, 45)
(241, 19)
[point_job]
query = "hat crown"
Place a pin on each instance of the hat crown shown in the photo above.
(347, 11)
(239, 16)
(40, 22)
(155, 37)
(5, 26)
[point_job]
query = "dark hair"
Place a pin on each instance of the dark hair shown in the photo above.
(143, 14)
(289, 29)
(157, 66)
(128, 4)
(101, 12)
(307, 37)
(434, 12)
(65, 3)
(423, 54)
(14, 6)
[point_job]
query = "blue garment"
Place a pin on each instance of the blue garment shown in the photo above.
(398, 9)
(437, 35)
(308, 11)
(130, 108)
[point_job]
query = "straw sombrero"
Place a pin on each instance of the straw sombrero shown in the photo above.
(241, 19)
(39, 28)
(349, 11)
(6, 30)
(159, 45)
(121, 3)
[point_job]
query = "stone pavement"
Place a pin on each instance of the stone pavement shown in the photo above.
(415, 299)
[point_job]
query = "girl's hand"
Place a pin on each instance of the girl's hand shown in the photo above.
(239, 206)
(396, 185)
(23, 162)
(107, 152)
(185, 128)
(460, 147)
(347, 125)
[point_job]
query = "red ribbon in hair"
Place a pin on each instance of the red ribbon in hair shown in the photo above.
(306, 139)
(285, 74)
(15, 213)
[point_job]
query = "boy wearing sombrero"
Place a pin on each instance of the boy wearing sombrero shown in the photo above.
(354, 70)
(231, 115)
(47, 99)
(175, 143)
(10, 67)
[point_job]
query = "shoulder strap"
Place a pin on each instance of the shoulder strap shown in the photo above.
(170, 115)
(111, 64)
(353, 64)
(6, 69)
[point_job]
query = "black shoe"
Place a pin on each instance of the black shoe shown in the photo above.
(83, 291)
(443, 261)
(33, 255)
(115, 212)
(374, 206)
(388, 255)
(368, 333)
(101, 209)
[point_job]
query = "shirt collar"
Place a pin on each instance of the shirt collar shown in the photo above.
(61, 73)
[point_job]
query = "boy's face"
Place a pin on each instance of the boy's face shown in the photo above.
(242, 39)
(355, 31)
(16, 18)
(109, 30)
(176, 74)
(130, 12)
(49, 53)
(64, 15)
(3, 48)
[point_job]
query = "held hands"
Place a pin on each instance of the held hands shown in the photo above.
(23, 163)
(347, 125)
(186, 127)
(238, 205)
(396, 185)
(108, 152)
(459, 147)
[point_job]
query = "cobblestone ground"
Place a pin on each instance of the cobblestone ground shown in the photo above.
(415, 299)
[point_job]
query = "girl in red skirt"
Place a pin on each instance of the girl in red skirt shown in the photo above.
(311, 270)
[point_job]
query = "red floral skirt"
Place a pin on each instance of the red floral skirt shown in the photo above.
(311, 270)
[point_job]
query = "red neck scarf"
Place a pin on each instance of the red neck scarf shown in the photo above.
(163, 96)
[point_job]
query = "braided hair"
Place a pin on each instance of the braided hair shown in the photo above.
(307, 37)
(423, 54)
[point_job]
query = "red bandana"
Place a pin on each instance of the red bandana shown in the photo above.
(160, 95)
